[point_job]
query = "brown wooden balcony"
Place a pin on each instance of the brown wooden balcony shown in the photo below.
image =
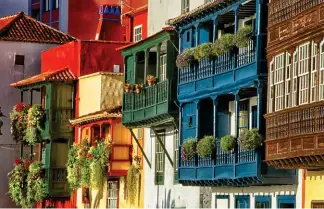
(295, 137)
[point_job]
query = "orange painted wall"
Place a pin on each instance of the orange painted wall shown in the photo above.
(86, 13)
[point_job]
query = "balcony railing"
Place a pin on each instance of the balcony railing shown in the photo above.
(280, 11)
(229, 61)
(148, 97)
(296, 133)
(221, 158)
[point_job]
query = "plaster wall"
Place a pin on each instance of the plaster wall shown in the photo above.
(170, 194)
(313, 190)
(10, 73)
(89, 94)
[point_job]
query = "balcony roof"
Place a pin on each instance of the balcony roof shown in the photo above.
(205, 9)
(165, 29)
(112, 112)
(23, 28)
(60, 75)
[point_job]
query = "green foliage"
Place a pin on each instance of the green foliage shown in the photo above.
(34, 124)
(36, 190)
(204, 50)
(206, 146)
(243, 36)
(73, 172)
(228, 143)
(26, 184)
(185, 58)
(132, 183)
(250, 139)
(188, 149)
(18, 123)
(224, 44)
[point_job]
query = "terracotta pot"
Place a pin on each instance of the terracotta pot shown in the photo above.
(150, 82)
(138, 90)
(127, 90)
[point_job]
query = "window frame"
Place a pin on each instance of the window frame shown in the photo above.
(313, 84)
(46, 5)
(271, 89)
(139, 34)
(244, 115)
(262, 199)
(176, 142)
(185, 6)
(159, 156)
(303, 74)
(321, 68)
(56, 4)
(279, 68)
(286, 199)
(118, 188)
(163, 67)
(288, 67)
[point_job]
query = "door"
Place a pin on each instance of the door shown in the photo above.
(242, 201)
(262, 201)
(286, 201)
(223, 124)
(112, 194)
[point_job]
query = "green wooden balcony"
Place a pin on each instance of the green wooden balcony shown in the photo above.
(151, 107)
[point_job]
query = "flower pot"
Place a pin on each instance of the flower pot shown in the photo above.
(150, 82)
(127, 90)
(138, 90)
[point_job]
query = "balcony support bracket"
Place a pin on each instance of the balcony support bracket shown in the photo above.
(163, 146)
(140, 147)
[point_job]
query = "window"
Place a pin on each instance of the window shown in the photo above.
(116, 68)
(321, 81)
(163, 67)
(286, 201)
(313, 92)
(288, 81)
(262, 202)
(295, 80)
(36, 14)
(176, 154)
(303, 73)
(159, 159)
(279, 81)
(56, 4)
(244, 115)
(112, 194)
(46, 5)
(271, 92)
(188, 36)
(222, 201)
(140, 133)
(184, 6)
(138, 33)
(242, 201)
(19, 59)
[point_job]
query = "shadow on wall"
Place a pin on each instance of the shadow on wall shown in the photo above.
(167, 202)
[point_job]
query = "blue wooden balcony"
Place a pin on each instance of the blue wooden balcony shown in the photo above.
(237, 168)
(216, 74)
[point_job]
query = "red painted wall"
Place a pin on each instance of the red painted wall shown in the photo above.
(46, 17)
(55, 15)
(141, 19)
(56, 203)
(86, 13)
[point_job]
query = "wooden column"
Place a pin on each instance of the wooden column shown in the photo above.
(31, 146)
(237, 112)
(146, 59)
(180, 123)
(197, 34)
(259, 105)
(158, 54)
(215, 103)
(197, 118)
(236, 21)
(215, 25)
(180, 40)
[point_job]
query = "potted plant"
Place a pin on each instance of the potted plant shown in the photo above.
(206, 146)
(138, 88)
(250, 139)
(243, 37)
(203, 51)
(228, 143)
(185, 58)
(151, 79)
(188, 149)
(128, 87)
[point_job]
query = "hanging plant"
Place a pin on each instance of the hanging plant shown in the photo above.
(73, 171)
(36, 190)
(34, 124)
(228, 143)
(206, 146)
(185, 58)
(243, 37)
(132, 183)
(223, 44)
(18, 123)
(99, 160)
(250, 139)
(188, 149)
(204, 50)
(84, 163)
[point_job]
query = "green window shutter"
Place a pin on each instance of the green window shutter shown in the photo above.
(159, 158)
(130, 69)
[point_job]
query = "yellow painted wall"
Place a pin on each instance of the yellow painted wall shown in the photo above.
(314, 187)
(90, 94)
(99, 91)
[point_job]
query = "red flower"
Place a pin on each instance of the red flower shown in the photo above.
(18, 161)
(89, 156)
(19, 106)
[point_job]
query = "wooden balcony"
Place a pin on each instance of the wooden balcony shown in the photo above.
(295, 139)
(237, 168)
(152, 106)
(237, 66)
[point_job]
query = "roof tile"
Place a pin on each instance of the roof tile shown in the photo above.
(60, 75)
(23, 28)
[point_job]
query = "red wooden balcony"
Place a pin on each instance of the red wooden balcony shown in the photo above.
(295, 139)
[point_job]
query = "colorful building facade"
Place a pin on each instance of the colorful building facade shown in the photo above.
(295, 93)
(221, 94)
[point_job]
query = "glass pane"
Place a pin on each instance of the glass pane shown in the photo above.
(262, 205)
(287, 205)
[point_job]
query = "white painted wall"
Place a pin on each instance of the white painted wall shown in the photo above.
(9, 73)
(157, 196)
(253, 191)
